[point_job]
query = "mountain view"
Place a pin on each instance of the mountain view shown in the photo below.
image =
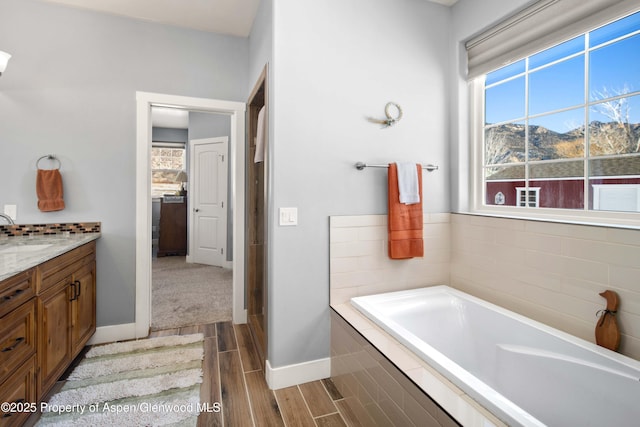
(506, 143)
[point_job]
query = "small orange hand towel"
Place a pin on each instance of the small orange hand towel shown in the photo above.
(405, 221)
(49, 190)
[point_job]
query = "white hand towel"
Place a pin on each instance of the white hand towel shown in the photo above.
(408, 183)
(260, 136)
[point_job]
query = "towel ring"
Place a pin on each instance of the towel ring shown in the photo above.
(49, 157)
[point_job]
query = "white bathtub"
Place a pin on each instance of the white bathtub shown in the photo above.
(524, 372)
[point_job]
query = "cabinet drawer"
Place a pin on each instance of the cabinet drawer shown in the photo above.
(54, 270)
(15, 290)
(17, 338)
(19, 388)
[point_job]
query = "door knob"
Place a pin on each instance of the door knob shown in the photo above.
(196, 210)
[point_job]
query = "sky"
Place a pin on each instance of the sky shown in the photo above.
(614, 69)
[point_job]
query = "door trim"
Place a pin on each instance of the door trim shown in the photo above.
(236, 110)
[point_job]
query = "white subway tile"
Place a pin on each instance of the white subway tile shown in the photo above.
(587, 232)
(372, 233)
(444, 217)
(357, 221)
(346, 234)
(553, 228)
(353, 249)
(625, 277)
(341, 296)
(614, 254)
(344, 265)
(623, 236)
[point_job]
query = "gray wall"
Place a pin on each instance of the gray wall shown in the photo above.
(335, 63)
(70, 90)
(469, 17)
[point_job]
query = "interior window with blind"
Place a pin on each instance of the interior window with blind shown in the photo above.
(561, 127)
(167, 161)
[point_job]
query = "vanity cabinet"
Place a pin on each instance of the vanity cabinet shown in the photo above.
(66, 311)
(17, 344)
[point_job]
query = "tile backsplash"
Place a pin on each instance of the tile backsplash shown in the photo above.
(359, 264)
(49, 229)
(550, 272)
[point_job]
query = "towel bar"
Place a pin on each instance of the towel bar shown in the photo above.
(51, 157)
(361, 165)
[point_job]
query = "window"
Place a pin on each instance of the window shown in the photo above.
(562, 125)
(167, 160)
(527, 197)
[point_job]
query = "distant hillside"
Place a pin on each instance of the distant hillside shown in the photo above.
(505, 143)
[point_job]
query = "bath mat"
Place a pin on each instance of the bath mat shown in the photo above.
(150, 382)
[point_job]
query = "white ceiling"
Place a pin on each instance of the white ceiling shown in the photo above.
(234, 17)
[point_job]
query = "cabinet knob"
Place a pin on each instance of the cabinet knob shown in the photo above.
(196, 210)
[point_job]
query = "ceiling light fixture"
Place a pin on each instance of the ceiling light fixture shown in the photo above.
(4, 59)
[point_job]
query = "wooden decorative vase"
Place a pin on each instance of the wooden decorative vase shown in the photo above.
(607, 331)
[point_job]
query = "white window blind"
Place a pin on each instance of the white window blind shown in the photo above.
(537, 27)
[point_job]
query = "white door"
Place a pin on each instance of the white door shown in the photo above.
(208, 201)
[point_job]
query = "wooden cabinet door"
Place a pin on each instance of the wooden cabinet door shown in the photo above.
(20, 388)
(83, 306)
(54, 344)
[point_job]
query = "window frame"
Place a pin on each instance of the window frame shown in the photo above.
(169, 145)
(477, 188)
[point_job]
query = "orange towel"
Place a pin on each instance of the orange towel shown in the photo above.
(405, 221)
(49, 190)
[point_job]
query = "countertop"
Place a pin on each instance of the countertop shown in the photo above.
(18, 254)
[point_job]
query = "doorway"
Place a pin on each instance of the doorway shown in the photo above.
(256, 244)
(235, 111)
(189, 187)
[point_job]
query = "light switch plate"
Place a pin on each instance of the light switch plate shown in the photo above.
(11, 210)
(288, 216)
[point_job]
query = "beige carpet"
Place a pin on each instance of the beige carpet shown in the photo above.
(189, 294)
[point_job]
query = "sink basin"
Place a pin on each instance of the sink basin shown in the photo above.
(10, 249)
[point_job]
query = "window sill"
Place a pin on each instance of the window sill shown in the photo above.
(622, 220)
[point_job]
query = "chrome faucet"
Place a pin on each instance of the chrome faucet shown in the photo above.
(8, 218)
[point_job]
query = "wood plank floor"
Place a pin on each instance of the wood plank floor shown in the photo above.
(234, 380)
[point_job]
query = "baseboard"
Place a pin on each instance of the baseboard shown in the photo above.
(300, 373)
(113, 333)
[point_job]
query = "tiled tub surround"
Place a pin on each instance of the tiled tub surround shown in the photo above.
(360, 266)
(525, 372)
(414, 378)
(373, 388)
(20, 253)
(550, 272)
